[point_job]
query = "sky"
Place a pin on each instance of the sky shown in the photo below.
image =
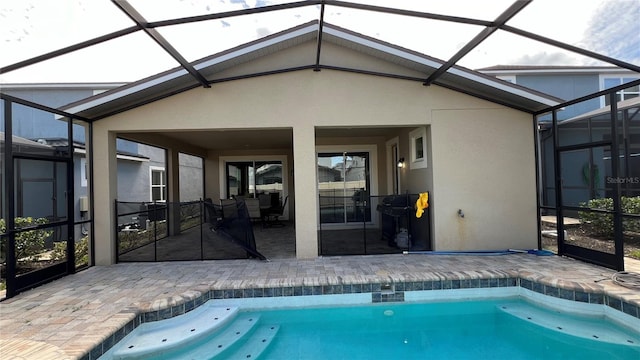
(33, 27)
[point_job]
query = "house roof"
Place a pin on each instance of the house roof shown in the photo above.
(551, 69)
(177, 80)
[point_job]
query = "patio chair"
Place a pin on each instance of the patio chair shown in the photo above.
(274, 214)
(253, 207)
(229, 208)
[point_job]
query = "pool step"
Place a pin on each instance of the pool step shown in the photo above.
(580, 326)
(244, 338)
(256, 344)
(158, 337)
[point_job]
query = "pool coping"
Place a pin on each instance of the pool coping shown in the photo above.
(383, 288)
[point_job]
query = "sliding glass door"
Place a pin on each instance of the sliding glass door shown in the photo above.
(252, 178)
(344, 186)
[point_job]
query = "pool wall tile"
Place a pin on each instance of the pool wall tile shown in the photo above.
(189, 305)
(596, 298)
(629, 309)
(130, 326)
(108, 343)
(582, 296)
(379, 297)
(436, 285)
(527, 284)
(614, 303)
(537, 287)
(566, 294)
(178, 309)
(151, 316)
(119, 335)
(164, 314)
(551, 291)
(218, 294)
(201, 299)
(96, 352)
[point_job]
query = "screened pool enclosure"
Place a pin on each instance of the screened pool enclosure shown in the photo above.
(309, 161)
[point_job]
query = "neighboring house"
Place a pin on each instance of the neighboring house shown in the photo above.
(569, 82)
(141, 168)
(585, 176)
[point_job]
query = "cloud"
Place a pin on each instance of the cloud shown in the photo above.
(614, 31)
(546, 58)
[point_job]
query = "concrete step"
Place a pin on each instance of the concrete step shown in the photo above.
(257, 343)
(591, 328)
(158, 337)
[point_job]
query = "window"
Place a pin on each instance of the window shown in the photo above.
(252, 178)
(608, 82)
(83, 172)
(418, 141)
(158, 184)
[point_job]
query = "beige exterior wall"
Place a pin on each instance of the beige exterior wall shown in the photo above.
(481, 156)
(484, 165)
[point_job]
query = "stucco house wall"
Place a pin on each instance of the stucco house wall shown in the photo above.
(476, 146)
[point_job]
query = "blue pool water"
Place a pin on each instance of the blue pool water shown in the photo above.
(497, 329)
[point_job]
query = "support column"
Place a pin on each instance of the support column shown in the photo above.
(306, 210)
(105, 192)
(173, 190)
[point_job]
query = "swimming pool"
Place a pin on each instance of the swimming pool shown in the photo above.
(502, 327)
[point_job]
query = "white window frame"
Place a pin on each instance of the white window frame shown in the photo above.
(415, 161)
(394, 171)
(163, 180)
(615, 76)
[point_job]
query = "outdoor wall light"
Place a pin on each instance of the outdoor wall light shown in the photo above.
(401, 162)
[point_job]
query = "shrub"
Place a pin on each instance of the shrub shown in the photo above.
(603, 223)
(28, 243)
(134, 239)
(81, 251)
